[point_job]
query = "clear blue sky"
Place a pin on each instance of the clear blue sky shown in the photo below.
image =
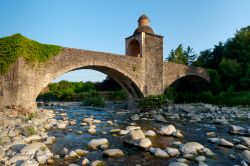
(102, 25)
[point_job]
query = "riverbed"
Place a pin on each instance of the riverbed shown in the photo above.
(77, 136)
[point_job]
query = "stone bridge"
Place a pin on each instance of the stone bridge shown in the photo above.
(141, 72)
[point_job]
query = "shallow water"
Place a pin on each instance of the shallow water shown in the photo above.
(69, 139)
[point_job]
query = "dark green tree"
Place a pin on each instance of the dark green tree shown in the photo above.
(178, 56)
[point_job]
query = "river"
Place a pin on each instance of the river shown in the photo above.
(72, 139)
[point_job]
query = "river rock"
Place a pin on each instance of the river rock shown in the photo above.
(225, 143)
(61, 125)
(72, 123)
(150, 133)
(5, 140)
(50, 140)
(220, 120)
(244, 163)
(200, 159)
(98, 163)
(133, 136)
(18, 157)
(177, 134)
(172, 151)
(30, 162)
(72, 164)
(135, 117)
(213, 140)
(202, 164)
(73, 154)
(113, 153)
(159, 118)
(191, 147)
(95, 143)
(85, 161)
(50, 161)
(41, 157)
(167, 130)
(241, 147)
(65, 151)
(232, 156)
(245, 141)
(88, 120)
(92, 130)
(189, 156)
(145, 143)
(237, 129)
(159, 153)
(129, 128)
(182, 160)
(96, 121)
(32, 148)
(81, 152)
(177, 164)
(246, 156)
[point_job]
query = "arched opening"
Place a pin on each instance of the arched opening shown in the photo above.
(188, 88)
(134, 48)
(113, 86)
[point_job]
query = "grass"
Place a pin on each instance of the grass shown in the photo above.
(30, 116)
(18, 46)
(30, 130)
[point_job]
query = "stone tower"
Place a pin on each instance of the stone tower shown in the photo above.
(144, 43)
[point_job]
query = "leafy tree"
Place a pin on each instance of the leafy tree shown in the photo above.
(230, 70)
(190, 54)
(178, 56)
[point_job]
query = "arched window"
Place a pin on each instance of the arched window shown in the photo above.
(134, 48)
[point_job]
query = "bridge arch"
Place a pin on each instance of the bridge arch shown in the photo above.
(85, 60)
(191, 81)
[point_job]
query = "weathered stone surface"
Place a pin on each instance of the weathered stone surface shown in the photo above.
(81, 152)
(223, 142)
(191, 147)
(150, 133)
(32, 138)
(177, 164)
(85, 161)
(200, 159)
(167, 130)
(145, 143)
(113, 153)
(245, 141)
(246, 156)
(32, 148)
(159, 153)
(98, 163)
(30, 163)
(95, 143)
(172, 151)
(133, 136)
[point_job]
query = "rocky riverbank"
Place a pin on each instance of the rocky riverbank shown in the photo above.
(98, 139)
(23, 137)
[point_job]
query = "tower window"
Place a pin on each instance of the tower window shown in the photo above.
(134, 48)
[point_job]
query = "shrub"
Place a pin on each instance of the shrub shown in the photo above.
(153, 101)
(95, 101)
(29, 130)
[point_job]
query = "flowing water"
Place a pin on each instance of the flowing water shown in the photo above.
(68, 138)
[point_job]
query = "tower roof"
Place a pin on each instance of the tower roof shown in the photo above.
(143, 25)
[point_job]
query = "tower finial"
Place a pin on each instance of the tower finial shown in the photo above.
(143, 20)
